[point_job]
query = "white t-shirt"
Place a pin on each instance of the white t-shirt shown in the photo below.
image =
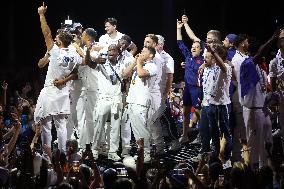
(62, 62)
(54, 100)
(88, 76)
(276, 67)
(105, 41)
(237, 61)
(219, 89)
(256, 96)
(207, 79)
(170, 65)
(127, 58)
(140, 88)
(167, 66)
(108, 83)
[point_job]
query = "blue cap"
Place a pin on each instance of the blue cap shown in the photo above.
(232, 37)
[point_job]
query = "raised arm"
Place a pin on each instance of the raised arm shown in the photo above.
(219, 60)
(45, 28)
(263, 48)
(142, 73)
(127, 72)
(17, 128)
(88, 61)
(179, 26)
(133, 48)
(188, 30)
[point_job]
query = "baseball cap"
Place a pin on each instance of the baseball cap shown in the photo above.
(232, 37)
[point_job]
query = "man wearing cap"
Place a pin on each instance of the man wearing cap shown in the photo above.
(229, 44)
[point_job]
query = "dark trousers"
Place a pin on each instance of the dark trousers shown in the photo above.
(204, 130)
(170, 124)
(219, 123)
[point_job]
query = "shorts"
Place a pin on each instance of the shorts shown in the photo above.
(192, 96)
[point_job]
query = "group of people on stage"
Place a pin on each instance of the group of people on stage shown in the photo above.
(107, 91)
(93, 82)
(229, 86)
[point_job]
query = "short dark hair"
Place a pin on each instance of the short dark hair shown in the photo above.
(152, 50)
(65, 37)
(127, 38)
(240, 38)
(91, 32)
(112, 21)
(153, 37)
(114, 45)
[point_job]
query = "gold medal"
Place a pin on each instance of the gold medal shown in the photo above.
(133, 81)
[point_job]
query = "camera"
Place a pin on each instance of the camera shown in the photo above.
(73, 28)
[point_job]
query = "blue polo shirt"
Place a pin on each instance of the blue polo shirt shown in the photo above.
(192, 64)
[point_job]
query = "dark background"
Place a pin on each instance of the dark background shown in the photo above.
(24, 43)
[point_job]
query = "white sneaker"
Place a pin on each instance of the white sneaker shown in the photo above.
(113, 156)
(176, 145)
(183, 139)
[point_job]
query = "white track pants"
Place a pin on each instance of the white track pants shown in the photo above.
(60, 125)
(103, 110)
(258, 131)
(136, 116)
(76, 120)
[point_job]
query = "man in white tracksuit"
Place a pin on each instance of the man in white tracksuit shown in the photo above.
(143, 72)
(53, 102)
(84, 96)
(158, 104)
(253, 82)
(109, 103)
(128, 59)
(77, 113)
